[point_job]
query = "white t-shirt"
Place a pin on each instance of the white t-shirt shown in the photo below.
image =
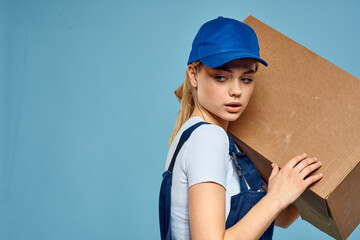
(203, 158)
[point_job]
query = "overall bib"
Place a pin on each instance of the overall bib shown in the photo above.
(240, 203)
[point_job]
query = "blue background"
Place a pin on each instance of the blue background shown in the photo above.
(87, 105)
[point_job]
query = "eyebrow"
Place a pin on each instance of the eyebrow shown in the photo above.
(223, 68)
(229, 70)
(250, 71)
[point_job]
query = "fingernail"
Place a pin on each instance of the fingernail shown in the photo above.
(304, 154)
(321, 174)
(315, 158)
(272, 165)
(319, 162)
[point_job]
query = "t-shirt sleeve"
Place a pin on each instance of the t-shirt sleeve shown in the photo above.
(206, 156)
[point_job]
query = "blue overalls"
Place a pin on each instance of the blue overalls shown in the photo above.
(241, 203)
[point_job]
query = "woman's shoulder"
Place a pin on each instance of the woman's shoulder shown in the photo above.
(210, 135)
(210, 131)
(207, 149)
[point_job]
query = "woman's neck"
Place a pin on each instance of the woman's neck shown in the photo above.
(210, 118)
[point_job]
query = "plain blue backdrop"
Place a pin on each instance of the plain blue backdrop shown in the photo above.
(87, 105)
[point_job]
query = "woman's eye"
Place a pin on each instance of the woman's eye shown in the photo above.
(246, 80)
(220, 78)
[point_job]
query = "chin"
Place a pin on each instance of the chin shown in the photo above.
(232, 117)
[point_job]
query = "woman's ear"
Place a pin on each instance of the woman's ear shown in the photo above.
(193, 75)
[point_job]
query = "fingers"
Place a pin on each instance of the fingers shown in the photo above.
(304, 163)
(303, 167)
(291, 181)
(309, 169)
(294, 161)
(310, 180)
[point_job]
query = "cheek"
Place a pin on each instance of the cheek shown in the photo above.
(251, 90)
(207, 91)
(248, 91)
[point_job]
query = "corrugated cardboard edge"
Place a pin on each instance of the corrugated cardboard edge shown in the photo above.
(348, 216)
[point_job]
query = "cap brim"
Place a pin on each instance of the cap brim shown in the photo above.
(222, 58)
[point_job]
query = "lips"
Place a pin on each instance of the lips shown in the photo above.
(233, 107)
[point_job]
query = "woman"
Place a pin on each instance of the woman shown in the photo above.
(211, 190)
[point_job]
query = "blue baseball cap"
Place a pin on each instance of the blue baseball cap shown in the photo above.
(222, 40)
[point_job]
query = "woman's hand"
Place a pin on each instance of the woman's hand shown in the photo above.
(287, 184)
(207, 203)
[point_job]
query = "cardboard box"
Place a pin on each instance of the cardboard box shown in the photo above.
(303, 103)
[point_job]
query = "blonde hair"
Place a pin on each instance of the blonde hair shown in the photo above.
(187, 102)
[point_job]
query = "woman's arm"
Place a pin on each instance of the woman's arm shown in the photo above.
(207, 215)
(287, 217)
(207, 203)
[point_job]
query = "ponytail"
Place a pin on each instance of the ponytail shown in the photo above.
(187, 103)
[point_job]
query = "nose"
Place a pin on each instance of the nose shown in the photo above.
(235, 89)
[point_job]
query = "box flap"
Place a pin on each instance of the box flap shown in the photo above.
(314, 210)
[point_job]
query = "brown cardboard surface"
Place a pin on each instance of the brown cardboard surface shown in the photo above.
(304, 103)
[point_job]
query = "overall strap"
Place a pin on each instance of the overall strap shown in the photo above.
(184, 137)
(245, 167)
